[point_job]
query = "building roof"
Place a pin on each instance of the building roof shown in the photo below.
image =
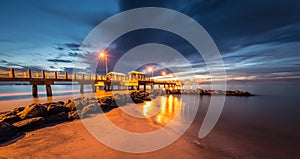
(136, 72)
(116, 73)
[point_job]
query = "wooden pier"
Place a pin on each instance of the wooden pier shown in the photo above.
(134, 80)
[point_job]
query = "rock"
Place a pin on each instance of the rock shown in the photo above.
(17, 110)
(120, 99)
(91, 109)
(136, 97)
(8, 113)
(138, 100)
(148, 98)
(57, 118)
(247, 94)
(70, 104)
(56, 109)
(10, 119)
(73, 115)
(104, 106)
(74, 105)
(128, 98)
(33, 110)
(7, 131)
(29, 124)
(49, 103)
(61, 102)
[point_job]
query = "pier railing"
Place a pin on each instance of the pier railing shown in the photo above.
(30, 74)
(49, 78)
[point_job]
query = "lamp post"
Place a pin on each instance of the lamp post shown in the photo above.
(104, 55)
(163, 73)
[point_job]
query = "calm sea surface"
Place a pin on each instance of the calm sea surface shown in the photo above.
(263, 126)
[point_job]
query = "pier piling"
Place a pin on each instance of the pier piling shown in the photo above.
(81, 88)
(48, 90)
(34, 90)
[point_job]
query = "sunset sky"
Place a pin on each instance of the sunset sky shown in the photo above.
(258, 40)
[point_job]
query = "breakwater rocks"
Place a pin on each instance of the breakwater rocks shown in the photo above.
(38, 115)
(217, 92)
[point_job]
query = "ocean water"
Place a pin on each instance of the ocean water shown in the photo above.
(10, 92)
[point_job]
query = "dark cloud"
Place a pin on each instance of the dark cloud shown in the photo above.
(59, 61)
(59, 48)
(72, 46)
(19, 66)
(77, 70)
(254, 37)
(73, 54)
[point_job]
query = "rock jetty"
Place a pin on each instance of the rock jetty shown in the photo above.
(36, 115)
(217, 92)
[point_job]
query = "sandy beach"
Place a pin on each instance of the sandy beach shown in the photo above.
(72, 140)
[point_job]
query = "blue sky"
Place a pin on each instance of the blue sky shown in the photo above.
(258, 40)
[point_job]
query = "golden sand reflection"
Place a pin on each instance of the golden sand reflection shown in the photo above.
(169, 108)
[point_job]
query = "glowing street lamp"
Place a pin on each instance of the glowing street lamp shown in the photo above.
(163, 73)
(150, 69)
(103, 55)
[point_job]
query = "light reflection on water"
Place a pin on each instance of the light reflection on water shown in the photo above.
(162, 110)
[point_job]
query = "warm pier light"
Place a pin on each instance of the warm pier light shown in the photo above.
(150, 70)
(102, 54)
(163, 73)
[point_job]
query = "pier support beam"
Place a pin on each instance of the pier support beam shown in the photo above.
(145, 89)
(81, 88)
(93, 87)
(34, 90)
(48, 90)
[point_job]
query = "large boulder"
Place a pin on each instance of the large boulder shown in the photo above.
(57, 118)
(17, 110)
(104, 106)
(29, 124)
(61, 102)
(7, 131)
(74, 105)
(7, 113)
(10, 119)
(33, 110)
(138, 100)
(147, 98)
(91, 109)
(56, 109)
(73, 115)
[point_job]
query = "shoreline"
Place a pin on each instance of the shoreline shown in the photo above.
(72, 140)
(60, 119)
(73, 134)
(239, 133)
